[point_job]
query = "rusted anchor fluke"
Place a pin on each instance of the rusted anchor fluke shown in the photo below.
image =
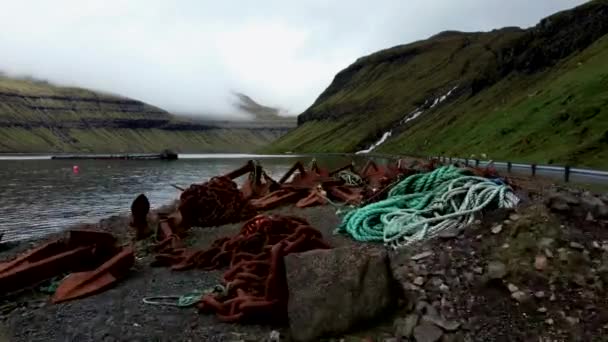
(139, 217)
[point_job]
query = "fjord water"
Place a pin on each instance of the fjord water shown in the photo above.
(41, 196)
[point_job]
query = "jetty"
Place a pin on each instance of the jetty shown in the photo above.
(165, 155)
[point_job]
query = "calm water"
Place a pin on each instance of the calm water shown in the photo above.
(41, 196)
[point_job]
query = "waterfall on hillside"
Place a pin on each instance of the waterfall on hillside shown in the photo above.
(409, 117)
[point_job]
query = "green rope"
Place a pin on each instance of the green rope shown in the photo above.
(187, 300)
(52, 286)
(423, 205)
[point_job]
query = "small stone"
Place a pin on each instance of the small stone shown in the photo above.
(507, 222)
(572, 320)
(539, 294)
(427, 332)
(442, 323)
(542, 309)
(512, 288)
(469, 276)
(424, 308)
(548, 253)
(540, 262)
(449, 234)
(514, 217)
(479, 237)
(596, 245)
(478, 270)
(477, 222)
(444, 288)
(404, 327)
(422, 255)
(579, 280)
(419, 281)
(549, 321)
(496, 229)
(497, 270)
(546, 242)
(275, 336)
(576, 245)
(589, 217)
(436, 281)
(552, 298)
(520, 296)
(563, 254)
(505, 246)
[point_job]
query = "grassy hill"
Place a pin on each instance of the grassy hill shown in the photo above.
(524, 95)
(36, 116)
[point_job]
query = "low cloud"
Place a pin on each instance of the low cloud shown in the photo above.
(187, 56)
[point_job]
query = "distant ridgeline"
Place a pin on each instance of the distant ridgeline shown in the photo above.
(39, 117)
(536, 95)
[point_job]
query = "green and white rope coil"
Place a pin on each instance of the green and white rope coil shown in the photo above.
(423, 205)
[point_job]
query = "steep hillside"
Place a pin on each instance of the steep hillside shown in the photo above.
(40, 117)
(529, 95)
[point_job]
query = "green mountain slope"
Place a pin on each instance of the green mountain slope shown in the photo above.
(39, 117)
(536, 95)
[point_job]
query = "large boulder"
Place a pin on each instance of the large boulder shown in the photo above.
(331, 291)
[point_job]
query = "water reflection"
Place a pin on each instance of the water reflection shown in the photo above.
(42, 196)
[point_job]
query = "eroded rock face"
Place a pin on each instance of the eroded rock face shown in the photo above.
(331, 291)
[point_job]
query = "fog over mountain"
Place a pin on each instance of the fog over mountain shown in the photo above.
(192, 55)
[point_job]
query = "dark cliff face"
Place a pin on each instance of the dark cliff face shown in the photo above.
(23, 110)
(478, 60)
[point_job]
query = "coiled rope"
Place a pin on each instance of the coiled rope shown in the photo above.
(350, 178)
(423, 205)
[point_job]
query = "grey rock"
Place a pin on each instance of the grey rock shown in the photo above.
(512, 288)
(520, 296)
(427, 332)
(330, 291)
(424, 308)
(572, 320)
(576, 245)
(478, 270)
(442, 323)
(449, 234)
(546, 242)
(422, 255)
(559, 201)
(539, 294)
(404, 326)
(496, 270)
(496, 229)
(436, 281)
(595, 206)
(514, 217)
(419, 281)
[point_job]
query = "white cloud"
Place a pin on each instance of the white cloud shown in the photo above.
(187, 55)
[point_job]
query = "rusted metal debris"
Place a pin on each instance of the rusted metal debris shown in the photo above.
(82, 250)
(256, 288)
(139, 217)
(220, 201)
(82, 284)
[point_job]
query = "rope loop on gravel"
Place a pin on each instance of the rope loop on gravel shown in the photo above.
(423, 205)
(187, 300)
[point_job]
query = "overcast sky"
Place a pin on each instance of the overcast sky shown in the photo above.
(187, 55)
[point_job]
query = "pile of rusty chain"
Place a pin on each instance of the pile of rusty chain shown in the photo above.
(216, 202)
(256, 288)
